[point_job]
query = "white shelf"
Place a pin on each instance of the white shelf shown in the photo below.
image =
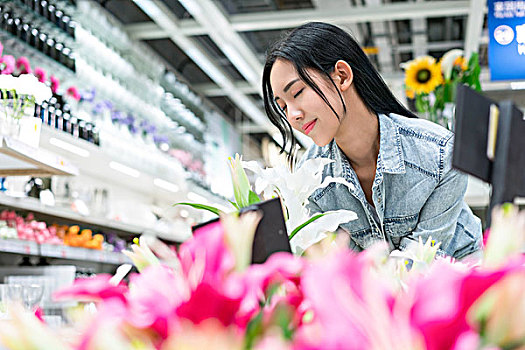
(18, 158)
(61, 251)
(150, 162)
(34, 205)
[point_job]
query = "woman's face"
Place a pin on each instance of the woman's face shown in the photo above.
(304, 108)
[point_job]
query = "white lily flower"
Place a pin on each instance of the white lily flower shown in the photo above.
(295, 188)
(239, 234)
(447, 62)
(316, 230)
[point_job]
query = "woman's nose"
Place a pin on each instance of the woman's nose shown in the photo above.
(295, 115)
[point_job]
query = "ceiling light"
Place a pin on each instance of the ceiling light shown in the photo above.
(165, 185)
(124, 169)
(69, 147)
(196, 197)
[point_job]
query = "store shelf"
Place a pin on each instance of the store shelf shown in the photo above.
(18, 158)
(19, 247)
(61, 251)
(34, 205)
(16, 47)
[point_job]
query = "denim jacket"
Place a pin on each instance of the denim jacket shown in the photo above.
(416, 193)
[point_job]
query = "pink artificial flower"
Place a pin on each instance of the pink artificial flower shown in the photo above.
(73, 92)
(207, 250)
(7, 64)
(486, 235)
(55, 83)
(156, 293)
(22, 63)
(105, 330)
(96, 288)
(41, 74)
(210, 302)
(39, 314)
(1, 49)
(351, 307)
(442, 299)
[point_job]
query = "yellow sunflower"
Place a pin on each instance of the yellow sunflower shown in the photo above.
(423, 75)
(410, 93)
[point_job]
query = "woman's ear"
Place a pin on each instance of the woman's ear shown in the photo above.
(343, 73)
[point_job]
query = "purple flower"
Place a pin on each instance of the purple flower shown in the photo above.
(88, 96)
(128, 120)
(99, 108)
(117, 116)
(160, 139)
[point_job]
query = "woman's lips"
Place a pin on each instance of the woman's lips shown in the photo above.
(309, 126)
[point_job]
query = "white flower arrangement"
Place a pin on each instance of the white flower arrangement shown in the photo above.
(295, 188)
(26, 85)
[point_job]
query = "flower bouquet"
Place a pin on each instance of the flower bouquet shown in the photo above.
(433, 83)
(293, 186)
(205, 295)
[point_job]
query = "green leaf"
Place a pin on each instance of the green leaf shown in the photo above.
(234, 204)
(420, 105)
(254, 328)
(298, 228)
(253, 198)
(201, 206)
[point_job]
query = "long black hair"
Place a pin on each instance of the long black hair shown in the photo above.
(319, 46)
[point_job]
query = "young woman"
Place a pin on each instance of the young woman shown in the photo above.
(402, 186)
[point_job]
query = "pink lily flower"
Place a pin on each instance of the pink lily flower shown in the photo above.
(207, 302)
(352, 308)
(442, 299)
(205, 257)
(154, 296)
(96, 288)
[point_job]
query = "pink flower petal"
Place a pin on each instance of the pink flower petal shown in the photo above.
(95, 288)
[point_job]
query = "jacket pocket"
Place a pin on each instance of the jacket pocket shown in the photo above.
(398, 227)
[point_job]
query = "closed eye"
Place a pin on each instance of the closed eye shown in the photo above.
(298, 93)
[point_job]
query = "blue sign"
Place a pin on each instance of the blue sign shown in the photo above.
(506, 39)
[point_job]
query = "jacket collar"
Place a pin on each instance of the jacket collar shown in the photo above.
(390, 159)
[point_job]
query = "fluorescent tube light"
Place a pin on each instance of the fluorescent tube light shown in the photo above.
(124, 169)
(196, 197)
(168, 186)
(69, 147)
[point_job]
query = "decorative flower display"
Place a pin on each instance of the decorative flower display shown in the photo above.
(294, 188)
(206, 294)
(433, 83)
